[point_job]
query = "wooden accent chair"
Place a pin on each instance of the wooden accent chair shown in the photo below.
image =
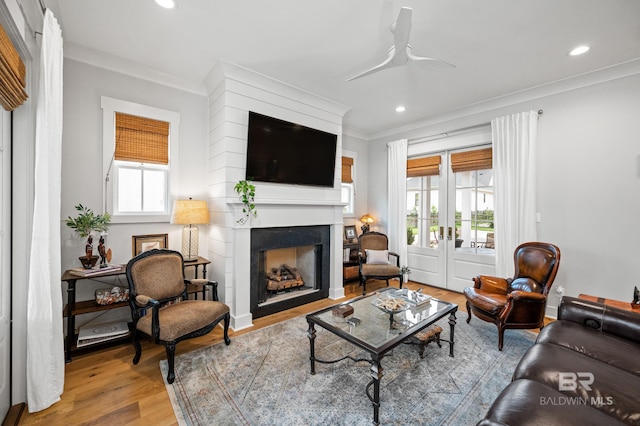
(160, 308)
(374, 259)
(517, 302)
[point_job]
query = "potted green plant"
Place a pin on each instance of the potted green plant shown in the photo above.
(246, 191)
(84, 224)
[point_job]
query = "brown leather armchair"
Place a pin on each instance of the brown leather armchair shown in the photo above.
(374, 259)
(159, 306)
(517, 302)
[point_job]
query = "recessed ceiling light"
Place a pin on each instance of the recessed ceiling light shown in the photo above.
(400, 108)
(579, 50)
(167, 4)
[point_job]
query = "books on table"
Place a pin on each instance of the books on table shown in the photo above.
(93, 334)
(82, 272)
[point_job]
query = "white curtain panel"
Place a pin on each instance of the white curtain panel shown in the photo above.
(514, 170)
(397, 198)
(45, 336)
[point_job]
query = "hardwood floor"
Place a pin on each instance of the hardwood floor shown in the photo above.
(105, 388)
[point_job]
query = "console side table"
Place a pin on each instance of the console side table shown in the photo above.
(74, 308)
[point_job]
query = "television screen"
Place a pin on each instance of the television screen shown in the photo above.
(282, 152)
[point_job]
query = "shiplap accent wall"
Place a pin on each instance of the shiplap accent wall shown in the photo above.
(233, 91)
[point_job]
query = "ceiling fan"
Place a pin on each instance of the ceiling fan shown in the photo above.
(400, 53)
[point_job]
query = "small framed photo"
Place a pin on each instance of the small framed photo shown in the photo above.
(350, 232)
(142, 243)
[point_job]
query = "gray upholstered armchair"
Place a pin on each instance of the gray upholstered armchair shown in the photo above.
(156, 280)
(374, 259)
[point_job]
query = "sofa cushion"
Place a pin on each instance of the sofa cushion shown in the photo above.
(612, 320)
(612, 350)
(529, 403)
(609, 391)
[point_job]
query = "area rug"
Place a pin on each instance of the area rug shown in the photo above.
(263, 378)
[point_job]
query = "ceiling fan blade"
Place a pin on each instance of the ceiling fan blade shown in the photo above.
(432, 63)
(386, 64)
(401, 29)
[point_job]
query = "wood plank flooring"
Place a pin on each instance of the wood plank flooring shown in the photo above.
(105, 388)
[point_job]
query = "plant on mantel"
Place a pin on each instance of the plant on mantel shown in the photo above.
(246, 191)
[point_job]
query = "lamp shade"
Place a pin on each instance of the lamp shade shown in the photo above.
(190, 212)
(367, 218)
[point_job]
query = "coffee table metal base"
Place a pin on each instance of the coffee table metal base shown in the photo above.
(375, 362)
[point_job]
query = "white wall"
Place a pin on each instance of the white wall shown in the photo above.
(82, 178)
(588, 180)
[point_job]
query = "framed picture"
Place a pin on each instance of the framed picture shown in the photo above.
(141, 243)
(350, 232)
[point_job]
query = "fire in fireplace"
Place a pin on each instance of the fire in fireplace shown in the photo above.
(289, 267)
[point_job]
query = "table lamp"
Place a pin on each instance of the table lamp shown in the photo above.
(190, 213)
(366, 220)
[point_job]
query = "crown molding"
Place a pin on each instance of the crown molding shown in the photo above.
(113, 63)
(602, 75)
(355, 133)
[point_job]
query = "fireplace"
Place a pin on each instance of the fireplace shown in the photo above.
(290, 266)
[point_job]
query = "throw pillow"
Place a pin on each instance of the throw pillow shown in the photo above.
(377, 257)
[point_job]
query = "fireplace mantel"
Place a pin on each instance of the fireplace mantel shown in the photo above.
(292, 202)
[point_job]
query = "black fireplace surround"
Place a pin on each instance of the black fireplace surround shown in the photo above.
(263, 239)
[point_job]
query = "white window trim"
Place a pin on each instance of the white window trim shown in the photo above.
(109, 107)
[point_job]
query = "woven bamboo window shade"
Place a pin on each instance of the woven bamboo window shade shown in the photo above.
(425, 166)
(141, 139)
(479, 159)
(12, 74)
(347, 170)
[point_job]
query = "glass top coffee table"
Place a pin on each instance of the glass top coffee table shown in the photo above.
(376, 327)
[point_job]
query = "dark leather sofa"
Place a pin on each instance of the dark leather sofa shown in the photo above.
(584, 369)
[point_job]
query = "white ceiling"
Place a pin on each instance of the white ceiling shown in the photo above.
(499, 46)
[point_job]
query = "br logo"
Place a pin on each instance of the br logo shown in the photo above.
(569, 381)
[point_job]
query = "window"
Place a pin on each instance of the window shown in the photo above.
(139, 160)
(347, 187)
(348, 197)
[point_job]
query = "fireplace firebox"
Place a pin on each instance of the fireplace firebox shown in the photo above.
(290, 266)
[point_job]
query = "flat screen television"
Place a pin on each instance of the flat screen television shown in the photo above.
(282, 152)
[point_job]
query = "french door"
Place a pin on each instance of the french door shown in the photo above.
(450, 219)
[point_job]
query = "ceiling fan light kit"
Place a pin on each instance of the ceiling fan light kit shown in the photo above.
(401, 53)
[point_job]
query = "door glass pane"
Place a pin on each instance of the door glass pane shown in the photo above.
(474, 210)
(422, 211)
